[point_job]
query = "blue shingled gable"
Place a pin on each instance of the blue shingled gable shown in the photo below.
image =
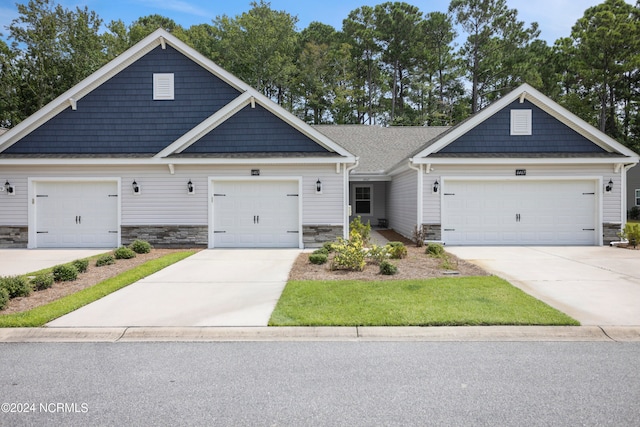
(255, 130)
(120, 116)
(549, 135)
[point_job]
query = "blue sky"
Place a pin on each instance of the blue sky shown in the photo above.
(555, 17)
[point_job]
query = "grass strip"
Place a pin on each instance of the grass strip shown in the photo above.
(46, 313)
(464, 301)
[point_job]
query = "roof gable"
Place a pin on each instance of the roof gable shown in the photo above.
(564, 133)
(121, 116)
(141, 125)
(548, 135)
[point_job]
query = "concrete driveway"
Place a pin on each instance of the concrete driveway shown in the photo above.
(594, 285)
(211, 288)
(23, 261)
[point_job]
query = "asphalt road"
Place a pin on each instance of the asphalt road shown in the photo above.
(321, 384)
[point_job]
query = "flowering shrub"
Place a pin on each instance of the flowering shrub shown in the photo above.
(397, 250)
(349, 254)
(364, 230)
(378, 254)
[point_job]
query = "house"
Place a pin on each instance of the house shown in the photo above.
(633, 188)
(162, 144)
(522, 171)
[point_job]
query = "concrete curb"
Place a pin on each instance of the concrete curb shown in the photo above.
(349, 333)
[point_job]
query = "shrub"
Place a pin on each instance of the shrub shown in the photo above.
(140, 247)
(124, 252)
(105, 260)
(387, 268)
(318, 258)
(4, 298)
(378, 254)
(42, 281)
(632, 232)
(16, 286)
(65, 273)
(81, 265)
(350, 254)
(364, 230)
(321, 251)
(435, 250)
(397, 250)
(634, 212)
(328, 246)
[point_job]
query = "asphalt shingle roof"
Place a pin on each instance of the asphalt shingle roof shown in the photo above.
(381, 148)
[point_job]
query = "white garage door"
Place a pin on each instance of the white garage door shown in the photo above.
(519, 213)
(76, 214)
(255, 214)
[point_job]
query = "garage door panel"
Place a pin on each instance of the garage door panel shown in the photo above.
(526, 212)
(256, 214)
(76, 214)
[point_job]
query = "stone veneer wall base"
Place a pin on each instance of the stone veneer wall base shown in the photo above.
(610, 233)
(167, 236)
(13, 237)
(313, 236)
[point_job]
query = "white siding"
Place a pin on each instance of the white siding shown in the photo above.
(403, 202)
(164, 199)
(431, 200)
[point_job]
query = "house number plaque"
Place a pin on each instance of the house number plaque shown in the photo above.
(521, 172)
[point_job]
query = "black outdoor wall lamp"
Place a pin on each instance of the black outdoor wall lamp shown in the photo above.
(136, 187)
(11, 191)
(318, 186)
(191, 189)
(436, 185)
(609, 186)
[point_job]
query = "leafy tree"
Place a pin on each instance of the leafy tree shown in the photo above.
(397, 25)
(258, 46)
(493, 46)
(361, 33)
(54, 48)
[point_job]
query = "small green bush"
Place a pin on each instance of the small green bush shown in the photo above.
(322, 251)
(124, 252)
(4, 298)
(435, 250)
(16, 286)
(328, 246)
(140, 247)
(634, 213)
(318, 258)
(42, 281)
(81, 265)
(65, 273)
(397, 250)
(388, 269)
(105, 260)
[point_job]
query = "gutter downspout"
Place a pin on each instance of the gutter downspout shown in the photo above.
(345, 201)
(420, 208)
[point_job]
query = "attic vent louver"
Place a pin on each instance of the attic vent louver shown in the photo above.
(163, 88)
(521, 122)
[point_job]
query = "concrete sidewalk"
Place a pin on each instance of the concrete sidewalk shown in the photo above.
(593, 284)
(217, 287)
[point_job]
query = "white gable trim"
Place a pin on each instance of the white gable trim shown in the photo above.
(546, 104)
(146, 45)
(207, 126)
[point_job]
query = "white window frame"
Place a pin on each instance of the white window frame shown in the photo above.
(521, 122)
(356, 200)
(637, 196)
(163, 87)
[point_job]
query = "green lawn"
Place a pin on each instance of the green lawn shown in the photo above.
(46, 313)
(486, 300)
